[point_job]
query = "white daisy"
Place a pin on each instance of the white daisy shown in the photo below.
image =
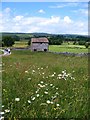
(17, 99)
(46, 92)
(26, 71)
(29, 101)
(33, 98)
(42, 82)
(57, 105)
(37, 95)
(2, 113)
(48, 101)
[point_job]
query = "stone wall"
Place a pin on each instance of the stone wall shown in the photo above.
(39, 46)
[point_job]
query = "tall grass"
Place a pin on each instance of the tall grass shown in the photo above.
(44, 85)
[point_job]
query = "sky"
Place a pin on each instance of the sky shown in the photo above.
(45, 0)
(46, 17)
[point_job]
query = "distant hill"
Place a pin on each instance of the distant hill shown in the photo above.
(27, 36)
(40, 34)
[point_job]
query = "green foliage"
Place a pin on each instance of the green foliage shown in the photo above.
(1, 44)
(74, 43)
(8, 41)
(16, 38)
(59, 38)
(81, 42)
(87, 44)
(29, 42)
(83, 38)
(56, 40)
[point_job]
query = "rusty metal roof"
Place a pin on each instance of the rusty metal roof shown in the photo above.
(39, 40)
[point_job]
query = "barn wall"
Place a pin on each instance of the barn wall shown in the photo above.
(39, 46)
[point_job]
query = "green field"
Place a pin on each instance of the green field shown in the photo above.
(23, 43)
(58, 48)
(44, 85)
(68, 48)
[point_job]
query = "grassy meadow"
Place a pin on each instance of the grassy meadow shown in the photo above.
(23, 43)
(65, 47)
(68, 48)
(44, 85)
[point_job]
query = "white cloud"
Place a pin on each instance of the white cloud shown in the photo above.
(84, 11)
(67, 20)
(53, 24)
(18, 18)
(62, 5)
(41, 11)
(81, 11)
(53, 20)
(7, 10)
(0, 14)
(57, 6)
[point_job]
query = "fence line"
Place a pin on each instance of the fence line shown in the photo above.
(63, 53)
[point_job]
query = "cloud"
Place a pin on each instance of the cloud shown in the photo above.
(84, 11)
(0, 14)
(57, 6)
(62, 5)
(18, 18)
(67, 20)
(53, 20)
(41, 11)
(7, 10)
(81, 11)
(52, 24)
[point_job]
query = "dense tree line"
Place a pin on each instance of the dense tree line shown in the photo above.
(59, 39)
(9, 40)
(56, 40)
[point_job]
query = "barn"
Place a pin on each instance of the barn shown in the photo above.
(39, 44)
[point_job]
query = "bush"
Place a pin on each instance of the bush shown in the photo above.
(82, 42)
(16, 38)
(87, 44)
(74, 43)
(2, 45)
(29, 42)
(8, 41)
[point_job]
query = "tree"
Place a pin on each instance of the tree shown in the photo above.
(86, 44)
(82, 42)
(16, 38)
(29, 42)
(8, 41)
(56, 40)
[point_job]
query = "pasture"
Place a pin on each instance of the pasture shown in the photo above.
(44, 85)
(22, 43)
(68, 48)
(65, 47)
